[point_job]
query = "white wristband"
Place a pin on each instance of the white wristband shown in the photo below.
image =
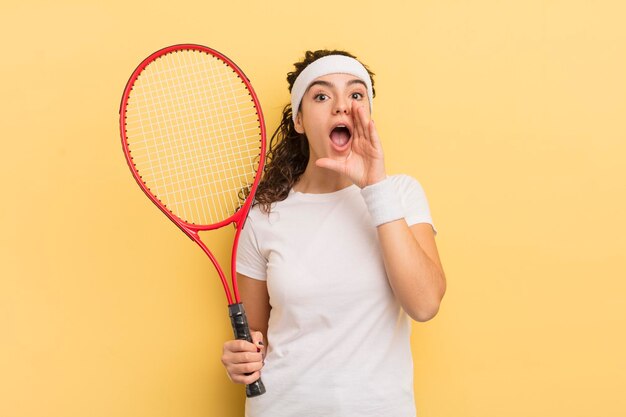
(383, 202)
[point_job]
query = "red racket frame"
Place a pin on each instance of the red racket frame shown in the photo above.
(192, 230)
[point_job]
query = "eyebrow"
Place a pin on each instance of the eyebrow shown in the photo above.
(357, 81)
(331, 85)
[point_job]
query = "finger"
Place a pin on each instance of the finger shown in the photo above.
(230, 359)
(373, 133)
(257, 337)
(365, 124)
(245, 368)
(257, 340)
(246, 379)
(246, 357)
(239, 346)
(356, 120)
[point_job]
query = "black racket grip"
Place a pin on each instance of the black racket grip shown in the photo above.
(242, 332)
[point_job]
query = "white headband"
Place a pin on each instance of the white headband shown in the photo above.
(330, 64)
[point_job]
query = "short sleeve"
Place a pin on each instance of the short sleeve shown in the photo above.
(414, 201)
(250, 261)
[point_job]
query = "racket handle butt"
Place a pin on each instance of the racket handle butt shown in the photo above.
(255, 389)
(239, 321)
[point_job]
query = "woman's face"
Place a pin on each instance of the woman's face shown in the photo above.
(326, 114)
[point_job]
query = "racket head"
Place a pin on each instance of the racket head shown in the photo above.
(194, 136)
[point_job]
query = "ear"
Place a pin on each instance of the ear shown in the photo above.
(298, 123)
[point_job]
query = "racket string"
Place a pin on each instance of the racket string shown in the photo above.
(185, 149)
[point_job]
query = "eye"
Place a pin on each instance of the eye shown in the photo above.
(320, 97)
(356, 96)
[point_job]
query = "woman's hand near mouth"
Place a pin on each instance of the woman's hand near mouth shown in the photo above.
(365, 163)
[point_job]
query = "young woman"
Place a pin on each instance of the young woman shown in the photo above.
(335, 259)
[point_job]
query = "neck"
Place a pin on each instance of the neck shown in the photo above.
(316, 180)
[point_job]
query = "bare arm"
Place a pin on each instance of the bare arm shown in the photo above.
(256, 301)
(413, 267)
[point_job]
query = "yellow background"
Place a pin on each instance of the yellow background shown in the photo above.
(510, 113)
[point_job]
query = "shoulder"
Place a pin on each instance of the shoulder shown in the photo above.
(261, 220)
(413, 198)
(406, 184)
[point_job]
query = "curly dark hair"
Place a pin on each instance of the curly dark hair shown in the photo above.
(288, 153)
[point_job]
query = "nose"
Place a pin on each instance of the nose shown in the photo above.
(342, 106)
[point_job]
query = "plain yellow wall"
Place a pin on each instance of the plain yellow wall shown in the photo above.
(510, 113)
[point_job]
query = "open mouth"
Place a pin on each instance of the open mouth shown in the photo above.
(340, 136)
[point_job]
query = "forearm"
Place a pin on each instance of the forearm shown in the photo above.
(255, 298)
(418, 282)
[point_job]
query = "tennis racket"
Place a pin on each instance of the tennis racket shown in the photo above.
(194, 138)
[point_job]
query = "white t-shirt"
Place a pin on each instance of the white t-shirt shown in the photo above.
(338, 340)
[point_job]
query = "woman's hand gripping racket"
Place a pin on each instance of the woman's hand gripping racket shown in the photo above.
(194, 138)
